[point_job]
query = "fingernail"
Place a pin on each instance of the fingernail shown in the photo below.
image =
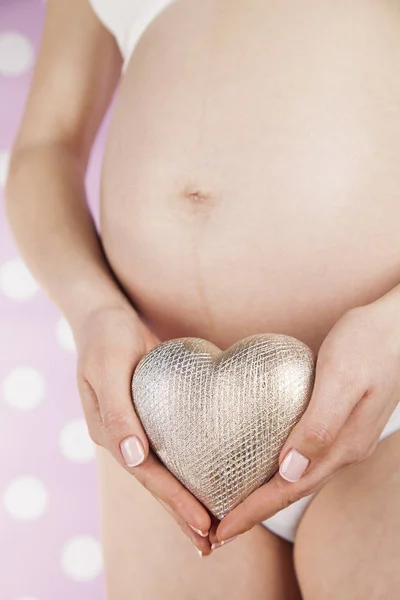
(293, 466)
(223, 543)
(199, 552)
(132, 451)
(198, 531)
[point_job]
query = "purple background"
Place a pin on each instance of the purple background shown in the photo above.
(42, 556)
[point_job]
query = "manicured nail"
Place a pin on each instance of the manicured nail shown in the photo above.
(132, 451)
(223, 543)
(293, 466)
(202, 533)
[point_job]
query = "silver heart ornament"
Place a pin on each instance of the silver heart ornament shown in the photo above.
(219, 419)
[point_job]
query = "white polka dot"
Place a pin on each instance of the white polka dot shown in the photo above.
(16, 282)
(16, 53)
(26, 498)
(75, 442)
(64, 335)
(81, 558)
(24, 388)
(4, 162)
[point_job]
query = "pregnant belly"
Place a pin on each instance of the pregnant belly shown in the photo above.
(251, 176)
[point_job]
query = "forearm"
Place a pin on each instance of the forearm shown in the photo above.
(53, 227)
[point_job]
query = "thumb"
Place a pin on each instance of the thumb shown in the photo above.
(334, 397)
(125, 435)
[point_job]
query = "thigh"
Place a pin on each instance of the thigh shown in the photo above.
(148, 557)
(348, 542)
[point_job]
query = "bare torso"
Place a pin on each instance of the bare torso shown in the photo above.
(251, 179)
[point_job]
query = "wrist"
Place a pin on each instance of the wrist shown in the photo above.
(88, 297)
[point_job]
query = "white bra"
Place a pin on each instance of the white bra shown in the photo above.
(127, 20)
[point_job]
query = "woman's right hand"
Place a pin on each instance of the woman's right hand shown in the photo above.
(110, 343)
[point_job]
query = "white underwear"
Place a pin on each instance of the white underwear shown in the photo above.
(285, 522)
(127, 20)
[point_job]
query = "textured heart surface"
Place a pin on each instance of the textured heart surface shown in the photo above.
(218, 419)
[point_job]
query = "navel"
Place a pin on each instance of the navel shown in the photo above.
(195, 203)
(197, 195)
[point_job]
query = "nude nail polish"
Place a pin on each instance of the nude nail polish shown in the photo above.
(132, 451)
(198, 531)
(223, 543)
(293, 466)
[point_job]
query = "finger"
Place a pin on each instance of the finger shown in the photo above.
(201, 543)
(212, 535)
(125, 435)
(91, 411)
(154, 476)
(336, 392)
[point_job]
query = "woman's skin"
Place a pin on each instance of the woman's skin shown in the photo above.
(250, 184)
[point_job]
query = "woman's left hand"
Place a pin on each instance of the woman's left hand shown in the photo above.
(357, 387)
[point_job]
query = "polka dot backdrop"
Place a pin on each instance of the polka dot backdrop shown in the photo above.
(49, 534)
